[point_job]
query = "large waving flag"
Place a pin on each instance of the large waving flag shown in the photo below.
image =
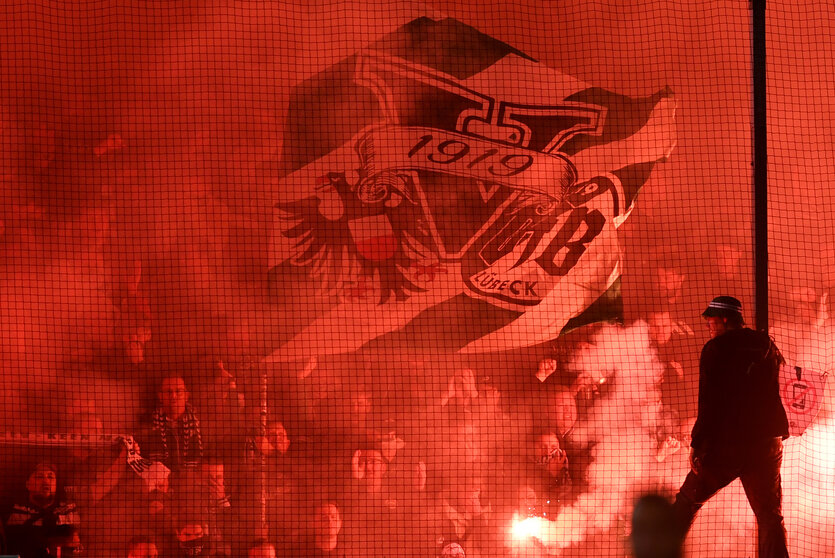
(445, 190)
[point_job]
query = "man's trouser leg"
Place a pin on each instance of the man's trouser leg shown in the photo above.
(699, 487)
(761, 480)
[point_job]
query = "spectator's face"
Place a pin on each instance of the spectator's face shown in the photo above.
(668, 282)
(375, 466)
(173, 396)
(563, 410)
(545, 446)
(327, 521)
(41, 485)
(278, 438)
(548, 453)
(653, 533)
(360, 406)
(261, 551)
(89, 425)
(465, 383)
(192, 539)
(716, 326)
(144, 550)
(389, 445)
(134, 343)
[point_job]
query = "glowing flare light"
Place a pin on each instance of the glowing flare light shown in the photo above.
(531, 527)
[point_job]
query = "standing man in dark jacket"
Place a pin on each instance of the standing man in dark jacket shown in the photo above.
(173, 437)
(741, 424)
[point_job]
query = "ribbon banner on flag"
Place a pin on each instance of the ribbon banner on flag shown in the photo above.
(446, 190)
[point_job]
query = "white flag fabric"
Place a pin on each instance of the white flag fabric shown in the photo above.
(445, 189)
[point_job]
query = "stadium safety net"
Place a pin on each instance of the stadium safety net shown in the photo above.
(366, 278)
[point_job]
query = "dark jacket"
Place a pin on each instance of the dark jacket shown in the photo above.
(739, 392)
(34, 532)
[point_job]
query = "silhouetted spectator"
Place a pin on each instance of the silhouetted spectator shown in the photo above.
(369, 468)
(741, 424)
(38, 527)
(655, 530)
(174, 438)
(560, 410)
(322, 537)
(103, 483)
(370, 505)
(223, 416)
(282, 483)
(93, 475)
(219, 508)
(134, 326)
(385, 438)
(452, 550)
(345, 419)
(543, 474)
(551, 462)
(193, 539)
(191, 527)
(360, 408)
(261, 549)
(144, 500)
(464, 511)
(193, 516)
(405, 473)
(275, 442)
(142, 547)
(461, 391)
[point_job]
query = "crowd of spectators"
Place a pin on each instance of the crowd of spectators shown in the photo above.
(349, 469)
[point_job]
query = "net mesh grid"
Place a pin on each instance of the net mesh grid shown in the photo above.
(397, 279)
